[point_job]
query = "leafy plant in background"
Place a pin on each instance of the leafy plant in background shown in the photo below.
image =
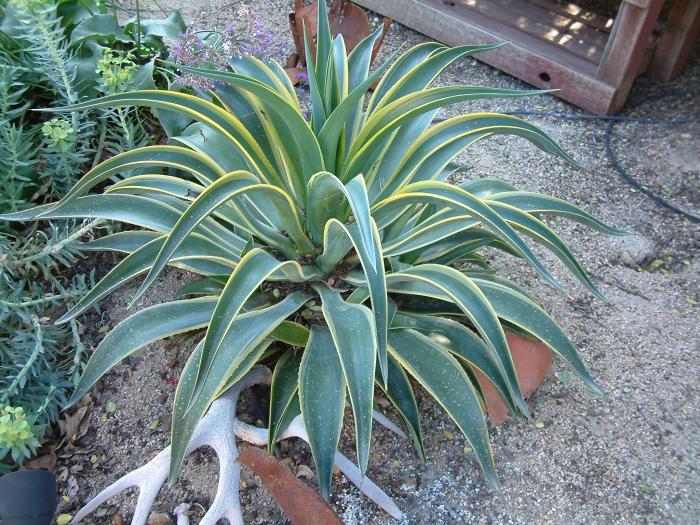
(16, 435)
(57, 53)
(331, 249)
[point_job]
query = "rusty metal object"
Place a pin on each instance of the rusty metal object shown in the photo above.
(300, 503)
(345, 18)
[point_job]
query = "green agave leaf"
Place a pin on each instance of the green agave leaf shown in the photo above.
(341, 74)
(282, 75)
(322, 400)
(383, 122)
(442, 282)
(130, 209)
(398, 390)
(265, 217)
(464, 344)
(124, 242)
(221, 191)
(457, 198)
(140, 329)
(423, 74)
(199, 109)
(428, 233)
(212, 144)
(178, 193)
(196, 253)
(360, 59)
(327, 198)
(405, 63)
(199, 287)
(545, 236)
(146, 157)
(387, 161)
(323, 63)
(365, 238)
(244, 344)
(353, 330)
(291, 333)
(456, 246)
(445, 379)
(337, 242)
(338, 118)
(254, 268)
(438, 146)
(538, 204)
(518, 309)
(259, 70)
(284, 398)
(318, 106)
(157, 183)
(245, 110)
(486, 188)
(294, 133)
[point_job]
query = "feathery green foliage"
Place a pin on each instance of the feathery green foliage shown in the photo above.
(55, 53)
(313, 237)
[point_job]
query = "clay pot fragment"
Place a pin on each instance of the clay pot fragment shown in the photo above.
(532, 360)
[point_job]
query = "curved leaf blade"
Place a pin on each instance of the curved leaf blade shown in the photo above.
(445, 379)
(140, 329)
(284, 398)
(354, 335)
(322, 400)
(244, 345)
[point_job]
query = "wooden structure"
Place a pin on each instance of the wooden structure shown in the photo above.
(593, 60)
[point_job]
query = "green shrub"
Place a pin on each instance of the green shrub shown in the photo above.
(330, 248)
(56, 53)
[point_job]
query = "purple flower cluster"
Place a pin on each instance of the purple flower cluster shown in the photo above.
(191, 49)
(210, 49)
(258, 40)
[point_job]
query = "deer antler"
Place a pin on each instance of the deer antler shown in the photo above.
(218, 429)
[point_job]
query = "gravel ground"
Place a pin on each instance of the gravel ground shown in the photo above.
(628, 457)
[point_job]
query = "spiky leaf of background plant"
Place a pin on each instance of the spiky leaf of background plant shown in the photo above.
(313, 237)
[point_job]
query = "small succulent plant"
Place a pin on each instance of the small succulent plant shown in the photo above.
(58, 133)
(115, 70)
(16, 435)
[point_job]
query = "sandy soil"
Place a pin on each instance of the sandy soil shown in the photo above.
(628, 457)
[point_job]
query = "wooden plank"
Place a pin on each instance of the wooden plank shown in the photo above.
(624, 54)
(540, 22)
(676, 41)
(580, 14)
(538, 62)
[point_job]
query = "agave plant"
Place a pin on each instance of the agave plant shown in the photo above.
(329, 247)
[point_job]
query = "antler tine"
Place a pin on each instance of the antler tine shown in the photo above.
(148, 478)
(258, 436)
(215, 429)
(218, 429)
(219, 434)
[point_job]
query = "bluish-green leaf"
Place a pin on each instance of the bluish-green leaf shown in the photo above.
(140, 329)
(353, 330)
(243, 346)
(284, 399)
(444, 378)
(322, 400)
(399, 391)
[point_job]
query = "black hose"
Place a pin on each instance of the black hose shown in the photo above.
(610, 152)
(612, 120)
